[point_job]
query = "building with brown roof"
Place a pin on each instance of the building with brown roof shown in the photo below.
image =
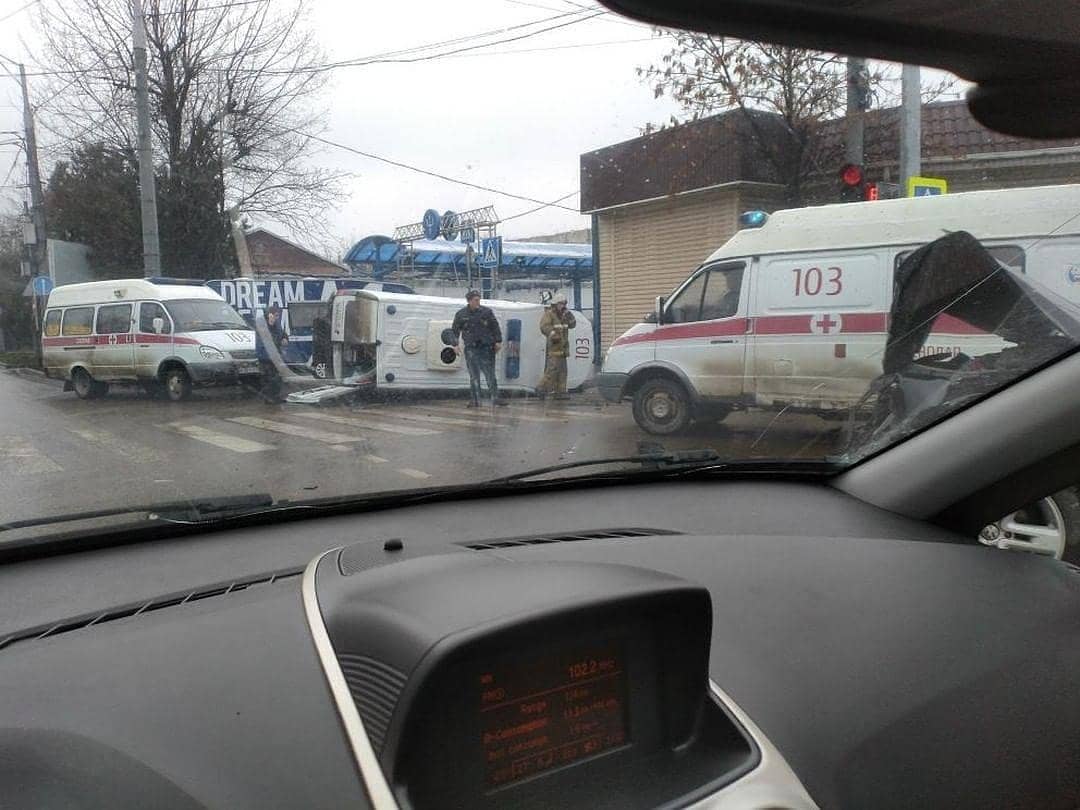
(663, 202)
(273, 255)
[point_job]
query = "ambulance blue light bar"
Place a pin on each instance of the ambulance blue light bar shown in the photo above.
(752, 219)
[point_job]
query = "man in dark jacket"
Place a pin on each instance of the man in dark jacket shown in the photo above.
(477, 328)
(271, 379)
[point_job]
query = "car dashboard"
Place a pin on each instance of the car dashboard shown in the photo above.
(702, 644)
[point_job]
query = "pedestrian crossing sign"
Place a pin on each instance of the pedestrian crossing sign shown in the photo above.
(926, 187)
(491, 252)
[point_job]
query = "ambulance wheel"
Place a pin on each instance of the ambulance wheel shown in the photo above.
(661, 406)
(177, 384)
(1051, 525)
(86, 387)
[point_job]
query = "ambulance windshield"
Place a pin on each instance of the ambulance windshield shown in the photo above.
(199, 315)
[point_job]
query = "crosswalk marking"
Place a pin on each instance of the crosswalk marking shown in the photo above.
(28, 458)
(363, 456)
(223, 440)
(440, 420)
(110, 441)
(487, 414)
(300, 431)
(359, 422)
(419, 474)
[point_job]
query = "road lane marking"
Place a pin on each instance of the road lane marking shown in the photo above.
(299, 431)
(367, 424)
(109, 441)
(28, 458)
(420, 474)
(225, 441)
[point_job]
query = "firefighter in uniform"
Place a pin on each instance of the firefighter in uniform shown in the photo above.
(477, 327)
(555, 324)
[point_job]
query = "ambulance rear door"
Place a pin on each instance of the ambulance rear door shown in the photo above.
(819, 323)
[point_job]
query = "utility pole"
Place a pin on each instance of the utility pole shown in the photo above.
(236, 225)
(910, 125)
(39, 260)
(858, 98)
(38, 256)
(147, 192)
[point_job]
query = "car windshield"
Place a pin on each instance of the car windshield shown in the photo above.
(497, 242)
(199, 315)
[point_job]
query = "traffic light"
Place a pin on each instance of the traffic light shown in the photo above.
(872, 192)
(851, 183)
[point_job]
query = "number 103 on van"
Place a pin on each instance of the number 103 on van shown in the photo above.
(813, 280)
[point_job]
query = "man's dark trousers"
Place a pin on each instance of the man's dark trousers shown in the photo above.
(481, 359)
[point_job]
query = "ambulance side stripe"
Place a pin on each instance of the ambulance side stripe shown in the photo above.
(117, 340)
(851, 323)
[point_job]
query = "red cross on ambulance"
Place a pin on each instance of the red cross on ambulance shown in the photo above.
(824, 324)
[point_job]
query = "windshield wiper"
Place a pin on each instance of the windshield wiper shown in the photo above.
(658, 460)
(192, 510)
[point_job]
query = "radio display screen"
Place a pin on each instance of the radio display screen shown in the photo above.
(536, 715)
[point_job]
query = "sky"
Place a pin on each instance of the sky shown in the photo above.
(515, 116)
(508, 117)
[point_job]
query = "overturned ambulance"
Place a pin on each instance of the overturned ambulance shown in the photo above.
(392, 341)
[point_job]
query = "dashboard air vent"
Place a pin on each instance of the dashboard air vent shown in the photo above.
(564, 537)
(139, 608)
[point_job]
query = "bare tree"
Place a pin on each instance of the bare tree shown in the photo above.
(785, 95)
(231, 85)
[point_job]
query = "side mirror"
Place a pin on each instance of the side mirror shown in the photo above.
(158, 324)
(649, 317)
(660, 301)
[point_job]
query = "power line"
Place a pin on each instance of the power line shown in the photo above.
(430, 173)
(400, 58)
(542, 207)
(195, 9)
(384, 57)
(559, 47)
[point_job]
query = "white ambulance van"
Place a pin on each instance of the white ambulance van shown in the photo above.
(387, 341)
(166, 337)
(792, 312)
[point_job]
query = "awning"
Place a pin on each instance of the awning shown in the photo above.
(439, 254)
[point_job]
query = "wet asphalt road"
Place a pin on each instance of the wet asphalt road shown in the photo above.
(59, 454)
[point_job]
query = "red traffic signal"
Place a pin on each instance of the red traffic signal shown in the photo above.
(851, 183)
(871, 192)
(851, 175)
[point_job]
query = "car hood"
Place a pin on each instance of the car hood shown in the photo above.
(956, 276)
(227, 340)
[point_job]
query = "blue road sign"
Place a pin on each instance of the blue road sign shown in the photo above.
(432, 223)
(926, 187)
(42, 285)
(467, 234)
(449, 225)
(491, 252)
